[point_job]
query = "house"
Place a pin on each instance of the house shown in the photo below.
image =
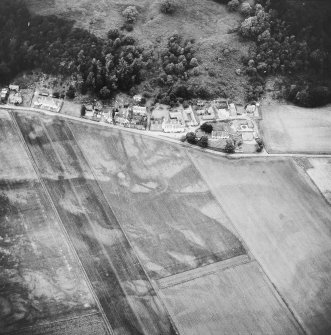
(48, 103)
(233, 109)
(246, 132)
(209, 115)
(137, 98)
(156, 124)
(44, 93)
(221, 104)
(189, 117)
(4, 94)
(250, 109)
(14, 88)
(215, 135)
(173, 127)
(174, 123)
(200, 103)
(138, 110)
(223, 113)
(15, 98)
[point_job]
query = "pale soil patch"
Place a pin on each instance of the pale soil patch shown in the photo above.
(288, 128)
(320, 172)
(285, 223)
(233, 301)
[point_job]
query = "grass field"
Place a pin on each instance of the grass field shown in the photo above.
(124, 291)
(289, 128)
(40, 281)
(286, 224)
(160, 200)
(205, 21)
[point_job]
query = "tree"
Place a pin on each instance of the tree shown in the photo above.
(130, 13)
(245, 9)
(71, 92)
(207, 128)
(229, 147)
(194, 62)
(233, 5)
(82, 110)
(259, 143)
(113, 34)
(168, 7)
(203, 141)
(191, 138)
(104, 93)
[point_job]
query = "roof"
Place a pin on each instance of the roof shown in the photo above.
(250, 108)
(14, 87)
(139, 110)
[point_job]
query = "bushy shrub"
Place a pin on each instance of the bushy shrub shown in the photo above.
(104, 93)
(233, 5)
(168, 6)
(71, 92)
(191, 138)
(113, 34)
(203, 142)
(207, 128)
(245, 9)
(130, 13)
(260, 144)
(229, 147)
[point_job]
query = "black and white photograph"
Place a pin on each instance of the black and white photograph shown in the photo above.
(165, 167)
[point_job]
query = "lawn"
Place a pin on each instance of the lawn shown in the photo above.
(287, 128)
(285, 223)
(40, 280)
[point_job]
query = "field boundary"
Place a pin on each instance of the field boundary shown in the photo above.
(170, 316)
(202, 271)
(64, 231)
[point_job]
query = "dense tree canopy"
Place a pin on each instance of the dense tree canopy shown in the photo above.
(55, 46)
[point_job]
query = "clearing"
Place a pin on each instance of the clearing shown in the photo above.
(288, 128)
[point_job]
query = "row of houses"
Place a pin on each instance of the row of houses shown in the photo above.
(11, 95)
(176, 120)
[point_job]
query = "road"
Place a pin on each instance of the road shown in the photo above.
(167, 139)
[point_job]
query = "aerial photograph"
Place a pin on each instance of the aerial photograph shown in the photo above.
(165, 167)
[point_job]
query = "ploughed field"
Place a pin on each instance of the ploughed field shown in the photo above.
(139, 236)
(293, 129)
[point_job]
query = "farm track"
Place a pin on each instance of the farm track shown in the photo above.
(124, 292)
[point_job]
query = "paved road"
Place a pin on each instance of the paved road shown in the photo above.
(168, 139)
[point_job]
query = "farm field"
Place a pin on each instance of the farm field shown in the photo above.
(236, 300)
(174, 222)
(320, 172)
(172, 240)
(123, 289)
(287, 128)
(285, 223)
(42, 289)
